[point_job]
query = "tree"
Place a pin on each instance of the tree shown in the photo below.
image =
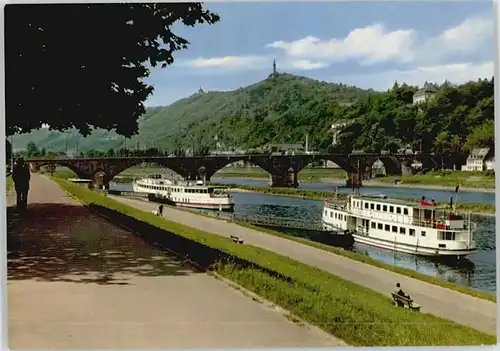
(32, 150)
(84, 65)
(482, 136)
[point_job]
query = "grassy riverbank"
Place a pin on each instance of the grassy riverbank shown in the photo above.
(368, 260)
(323, 194)
(355, 314)
(445, 179)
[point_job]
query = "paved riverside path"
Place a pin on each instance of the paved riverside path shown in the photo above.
(465, 309)
(77, 281)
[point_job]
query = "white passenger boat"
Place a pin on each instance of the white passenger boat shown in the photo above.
(193, 194)
(421, 228)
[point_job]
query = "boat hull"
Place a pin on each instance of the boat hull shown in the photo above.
(225, 207)
(405, 248)
(205, 206)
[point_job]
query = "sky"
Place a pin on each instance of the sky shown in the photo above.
(366, 44)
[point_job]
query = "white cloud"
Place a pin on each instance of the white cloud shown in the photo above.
(470, 36)
(303, 65)
(229, 62)
(252, 63)
(456, 73)
(375, 44)
(370, 44)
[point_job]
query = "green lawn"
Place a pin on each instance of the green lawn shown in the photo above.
(353, 313)
(447, 179)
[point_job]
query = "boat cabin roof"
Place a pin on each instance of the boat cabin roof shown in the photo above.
(401, 202)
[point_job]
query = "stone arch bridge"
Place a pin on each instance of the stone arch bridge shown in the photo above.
(282, 169)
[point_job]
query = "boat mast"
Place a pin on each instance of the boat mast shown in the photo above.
(470, 231)
(456, 198)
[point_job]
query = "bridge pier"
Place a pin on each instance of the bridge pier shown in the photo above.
(285, 180)
(101, 181)
(356, 176)
(353, 180)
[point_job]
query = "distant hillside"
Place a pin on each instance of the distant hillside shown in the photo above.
(280, 108)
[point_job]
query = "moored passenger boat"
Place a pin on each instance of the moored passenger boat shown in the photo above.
(193, 194)
(421, 228)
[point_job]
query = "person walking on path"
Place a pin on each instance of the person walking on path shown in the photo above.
(21, 176)
(160, 210)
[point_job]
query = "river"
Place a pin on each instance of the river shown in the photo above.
(478, 271)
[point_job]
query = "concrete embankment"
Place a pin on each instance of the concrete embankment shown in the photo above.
(461, 308)
(77, 281)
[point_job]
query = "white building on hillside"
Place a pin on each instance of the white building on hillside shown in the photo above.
(479, 160)
(427, 93)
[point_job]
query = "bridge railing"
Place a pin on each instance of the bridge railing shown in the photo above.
(316, 156)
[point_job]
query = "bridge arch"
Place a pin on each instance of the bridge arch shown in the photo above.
(36, 166)
(242, 166)
(391, 164)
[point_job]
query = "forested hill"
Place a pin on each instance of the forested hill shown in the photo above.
(458, 118)
(282, 97)
(283, 108)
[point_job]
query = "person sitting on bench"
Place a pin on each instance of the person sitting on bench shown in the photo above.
(400, 291)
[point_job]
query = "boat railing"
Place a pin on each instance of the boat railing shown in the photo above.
(335, 206)
(401, 219)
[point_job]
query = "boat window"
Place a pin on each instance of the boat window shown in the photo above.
(374, 225)
(422, 233)
(387, 228)
(380, 226)
(394, 229)
(398, 209)
(391, 209)
(384, 208)
(378, 207)
(402, 230)
(412, 232)
(331, 214)
(366, 204)
(405, 211)
(326, 212)
(372, 206)
(448, 235)
(335, 215)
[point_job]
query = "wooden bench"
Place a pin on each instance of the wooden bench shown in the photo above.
(236, 239)
(402, 301)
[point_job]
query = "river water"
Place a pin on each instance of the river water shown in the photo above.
(478, 271)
